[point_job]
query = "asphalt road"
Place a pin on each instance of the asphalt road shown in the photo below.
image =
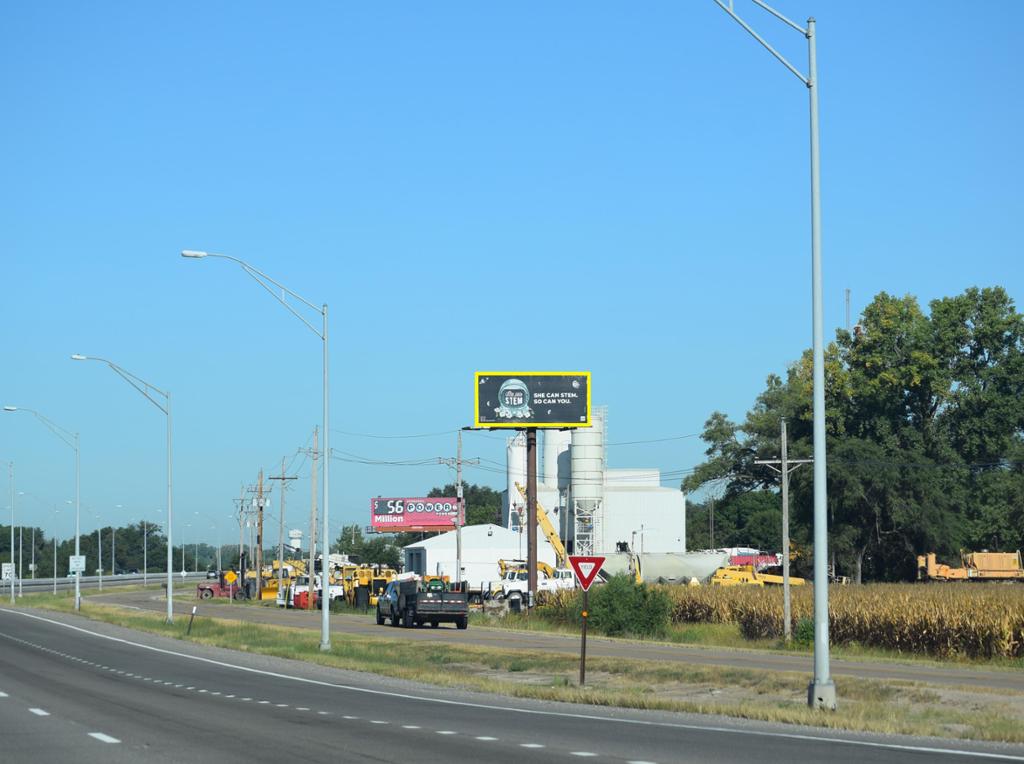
(501, 638)
(74, 690)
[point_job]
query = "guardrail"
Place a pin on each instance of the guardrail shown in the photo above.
(93, 582)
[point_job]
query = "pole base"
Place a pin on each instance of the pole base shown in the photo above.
(822, 695)
(325, 647)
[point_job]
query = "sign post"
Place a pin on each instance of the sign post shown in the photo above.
(586, 569)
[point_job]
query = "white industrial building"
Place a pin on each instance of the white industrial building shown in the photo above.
(482, 547)
(595, 509)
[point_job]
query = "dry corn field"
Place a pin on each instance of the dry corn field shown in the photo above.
(977, 620)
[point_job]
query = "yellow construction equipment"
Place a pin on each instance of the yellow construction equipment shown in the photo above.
(745, 575)
(976, 566)
(549, 530)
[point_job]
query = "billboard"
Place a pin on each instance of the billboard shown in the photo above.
(521, 399)
(413, 514)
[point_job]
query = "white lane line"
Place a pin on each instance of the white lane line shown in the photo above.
(530, 745)
(377, 721)
(229, 696)
(350, 718)
(215, 693)
(302, 708)
(281, 705)
(103, 738)
(638, 761)
(4, 695)
(486, 738)
(447, 732)
(39, 712)
(322, 713)
(409, 727)
(804, 737)
(246, 700)
(264, 702)
(582, 753)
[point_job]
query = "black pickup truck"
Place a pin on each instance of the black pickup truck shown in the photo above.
(411, 603)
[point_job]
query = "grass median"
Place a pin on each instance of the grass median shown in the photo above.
(865, 705)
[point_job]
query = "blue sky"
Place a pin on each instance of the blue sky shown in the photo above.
(609, 186)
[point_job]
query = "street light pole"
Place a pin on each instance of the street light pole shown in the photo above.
(821, 693)
(266, 282)
(70, 439)
(10, 467)
(145, 389)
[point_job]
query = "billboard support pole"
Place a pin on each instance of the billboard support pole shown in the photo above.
(531, 511)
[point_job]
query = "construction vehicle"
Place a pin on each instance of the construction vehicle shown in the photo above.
(746, 575)
(515, 578)
(365, 583)
(976, 566)
(225, 585)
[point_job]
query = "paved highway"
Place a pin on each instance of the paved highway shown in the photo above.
(969, 676)
(77, 691)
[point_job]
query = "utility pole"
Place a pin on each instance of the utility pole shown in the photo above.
(33, 564)
(531, 512)
(711, 524)
(460, 520)
(280, 527)
(10, 467)
(310, 571)
(847, 310)
(259, 537)
(784, 469)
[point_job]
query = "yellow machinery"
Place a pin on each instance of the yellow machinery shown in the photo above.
(365, 583)
(976, 566)
(549, 531)
(745, 575)
(504, 566)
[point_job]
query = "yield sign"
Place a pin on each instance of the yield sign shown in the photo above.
(586, 568)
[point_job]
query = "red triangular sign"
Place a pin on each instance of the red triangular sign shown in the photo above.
(586, 568)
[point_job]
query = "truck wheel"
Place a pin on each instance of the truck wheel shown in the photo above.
(239, 594)
(380, 618)
(434, 624)
(409, 620)
(205, 593)
(462, 622)
(394, 618)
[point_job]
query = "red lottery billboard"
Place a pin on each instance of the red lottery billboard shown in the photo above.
(405, 514)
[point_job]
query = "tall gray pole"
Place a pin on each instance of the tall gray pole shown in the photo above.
(13, 572)
(821, 691)
(113, 555)
(78, 521)
(99, 555)
(787, 629)
(145, 552)
(55, 561)
(170, 514)
(21, 538)
(325, 610)
(33, 564)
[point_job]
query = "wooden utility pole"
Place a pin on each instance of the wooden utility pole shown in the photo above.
(531, 512)
(259, 537)
(460, 520)
(312, 523)
(280, 528)
(784, 469)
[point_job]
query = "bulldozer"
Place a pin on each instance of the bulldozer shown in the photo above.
(745, 575)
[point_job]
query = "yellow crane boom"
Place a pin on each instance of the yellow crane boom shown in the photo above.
(549, 530)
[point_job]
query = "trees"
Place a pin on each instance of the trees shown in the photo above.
(379, 550)
(925, 420)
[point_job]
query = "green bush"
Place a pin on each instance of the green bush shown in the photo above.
(623, 607)
(804, 633)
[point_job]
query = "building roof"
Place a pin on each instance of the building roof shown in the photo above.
(488, 533)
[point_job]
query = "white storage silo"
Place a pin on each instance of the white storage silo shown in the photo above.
(557, 470)
(515, 461)
(587, 484)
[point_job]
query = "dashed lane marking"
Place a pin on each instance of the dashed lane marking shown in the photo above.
(377, 721)
(530, 745)
(585, 754)
(486, 738)
(103, 738)
(447, 732)
(39, 712)
(4, 695)
(409, 727)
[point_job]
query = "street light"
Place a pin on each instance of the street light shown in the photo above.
(821, 693)
(146, 390)
(265, 281)
(70, 439)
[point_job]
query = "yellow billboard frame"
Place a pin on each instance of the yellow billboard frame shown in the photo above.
(524, 425)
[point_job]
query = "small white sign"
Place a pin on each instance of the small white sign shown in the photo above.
(7, 571)
(76, 563)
